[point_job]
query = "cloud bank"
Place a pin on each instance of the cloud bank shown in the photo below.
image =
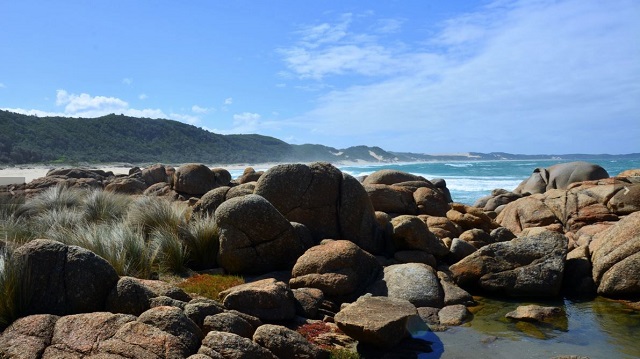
(526, 76)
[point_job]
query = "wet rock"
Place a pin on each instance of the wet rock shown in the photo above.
(536, 313)
(453, 315)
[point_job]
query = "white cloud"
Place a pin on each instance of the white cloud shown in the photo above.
(85, 105)
(127, 81)
(143, 96)
(198, 109)
(246, 122)
(516, 76)
(85, 102)
(228, 101)
(192, 120)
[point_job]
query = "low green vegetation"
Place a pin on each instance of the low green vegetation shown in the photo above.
(118, 138)
(210, 286)
(343, 354)
(138, 236)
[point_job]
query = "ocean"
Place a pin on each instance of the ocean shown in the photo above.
(469, 180)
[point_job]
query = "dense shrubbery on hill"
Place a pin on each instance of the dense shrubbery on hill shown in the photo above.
(118, 138)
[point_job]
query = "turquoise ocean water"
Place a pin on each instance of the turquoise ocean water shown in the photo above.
(471, 180)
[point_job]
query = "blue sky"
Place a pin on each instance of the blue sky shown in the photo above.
(429, 76)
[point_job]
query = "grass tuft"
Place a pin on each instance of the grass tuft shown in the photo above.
(14, 286)
(209, 285)
(153, 214)
(203, 243)
(169, 252)
(101, 206)
(54, 198)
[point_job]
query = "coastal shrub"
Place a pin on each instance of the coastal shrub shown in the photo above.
(14, 284)
(101, 206)
(55, 220)
(202, 242)
(209, 285)
(169, 252)
(153, 214)
(9, 205)
(122, 246)
(53, 198)
(17, 230)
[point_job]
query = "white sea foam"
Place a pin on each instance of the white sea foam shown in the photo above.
(459, 165)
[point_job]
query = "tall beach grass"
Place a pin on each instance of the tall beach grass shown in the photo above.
(138, 236)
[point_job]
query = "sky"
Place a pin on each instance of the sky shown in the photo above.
(427, 76)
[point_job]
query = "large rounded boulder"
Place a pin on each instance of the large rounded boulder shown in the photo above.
(415, 282)
(340, 269)
(331, 204)
(560, 176)
(255, 237)
(194, 179)
(65, 279)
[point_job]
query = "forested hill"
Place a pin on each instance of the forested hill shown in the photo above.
(117, 138)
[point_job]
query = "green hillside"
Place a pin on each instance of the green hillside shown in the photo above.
(118, 138)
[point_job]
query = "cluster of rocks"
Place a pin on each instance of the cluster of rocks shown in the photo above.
(157, 180)
(598, 215)
(384, 257)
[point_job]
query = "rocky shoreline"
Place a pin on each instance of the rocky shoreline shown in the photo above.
(364, 263)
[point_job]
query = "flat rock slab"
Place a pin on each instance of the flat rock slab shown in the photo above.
(535, 313)
(379, 321)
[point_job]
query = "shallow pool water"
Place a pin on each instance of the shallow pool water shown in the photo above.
(600, 328)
